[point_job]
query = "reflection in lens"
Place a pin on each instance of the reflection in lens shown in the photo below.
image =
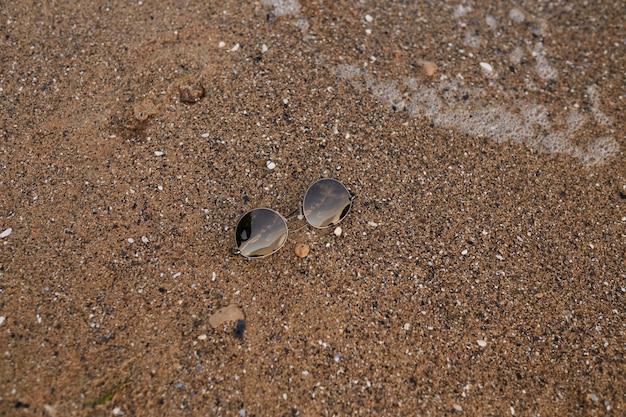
(326, 203)
(260, 232)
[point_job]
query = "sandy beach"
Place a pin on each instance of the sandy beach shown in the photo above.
(479, 272)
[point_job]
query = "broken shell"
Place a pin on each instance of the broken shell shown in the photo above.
(191, 93)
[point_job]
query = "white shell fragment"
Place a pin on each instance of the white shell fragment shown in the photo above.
(481, 343)
(486, 67)
(270, 165)
(338, 231)
(159, 153)
(6, 233)
(517, 15)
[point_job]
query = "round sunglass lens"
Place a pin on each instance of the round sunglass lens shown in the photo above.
(260, 232)
(326, 203)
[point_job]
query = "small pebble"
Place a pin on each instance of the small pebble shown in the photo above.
(270, 165)
(159, 153)
(117, 412)
(368, 18)
(429, 68)
(205, 135)
(202, 337)
(221, 44)
(226, 314)
(6, 233)
(481, 343)
(2, 318)
(263, 48)
(373, 224)
(457, 407)
(302, 250)
(145, 239)
(131, 240)
(464, 252)
(338, 231)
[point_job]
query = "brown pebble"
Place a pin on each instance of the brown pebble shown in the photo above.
(145, 109)
(302, 250)
(539, 295)
(191, 93)
(429, 68)
(225, 314)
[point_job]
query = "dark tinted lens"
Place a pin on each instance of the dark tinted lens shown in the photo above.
(326, 203)
(260, 232)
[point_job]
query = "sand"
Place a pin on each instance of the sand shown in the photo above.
(480, 271)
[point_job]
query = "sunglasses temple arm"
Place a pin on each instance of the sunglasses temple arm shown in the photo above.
(296, 212)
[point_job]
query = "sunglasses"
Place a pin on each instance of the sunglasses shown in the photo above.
(262, 231)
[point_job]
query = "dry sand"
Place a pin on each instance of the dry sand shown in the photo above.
(480, 271)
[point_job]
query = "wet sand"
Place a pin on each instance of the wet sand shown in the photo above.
(480, 271)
